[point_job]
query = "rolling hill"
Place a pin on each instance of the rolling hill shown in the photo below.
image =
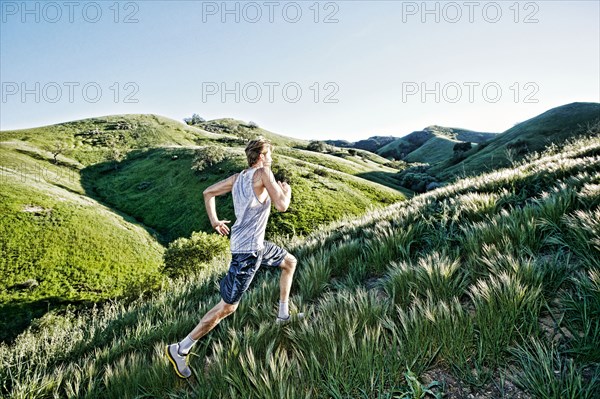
(60, 246)
(409, 148)
(552, 127)
(372, 144)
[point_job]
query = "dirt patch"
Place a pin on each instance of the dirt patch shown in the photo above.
(456, 389)
(36, 210)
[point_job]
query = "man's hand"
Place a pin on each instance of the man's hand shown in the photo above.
(221, 227)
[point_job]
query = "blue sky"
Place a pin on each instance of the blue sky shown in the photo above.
(378, 67)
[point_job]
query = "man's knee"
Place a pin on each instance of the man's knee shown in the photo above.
(289, 262)
(228, 309)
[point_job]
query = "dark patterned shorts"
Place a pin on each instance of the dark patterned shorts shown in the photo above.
(243, 267)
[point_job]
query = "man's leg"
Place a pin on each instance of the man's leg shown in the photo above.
(177, 353)
(288, 267)
(233, 285)
(211, 319)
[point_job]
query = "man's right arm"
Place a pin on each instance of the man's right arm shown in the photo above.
(280, 193)
(220, 188)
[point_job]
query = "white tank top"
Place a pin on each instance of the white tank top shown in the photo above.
(248, 231)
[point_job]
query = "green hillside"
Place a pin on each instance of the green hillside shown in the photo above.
(400, 148)
(410, 147)
(436, 149)
(364, 164)
(551, 127)
(372, 144)
(94, 140)
(126, 161)
(60, 246)
(488, 287)
(234, 127)
(166, 194)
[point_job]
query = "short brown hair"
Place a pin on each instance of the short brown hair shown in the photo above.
(256, 147)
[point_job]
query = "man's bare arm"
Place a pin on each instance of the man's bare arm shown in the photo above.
(280, 193)
(219, 188)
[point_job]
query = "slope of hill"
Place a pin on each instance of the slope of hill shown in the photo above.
(236, 128)
(436, 149)
(372, 144)
(60, 246)
(489, 285)
(95, 140)
(551, 127)
(364, 164)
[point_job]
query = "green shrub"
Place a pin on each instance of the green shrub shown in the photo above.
(194, 120)
(207, 156)
(319, 146)
(416, 181)
(189, 254)
(283, 174)
(521, 147)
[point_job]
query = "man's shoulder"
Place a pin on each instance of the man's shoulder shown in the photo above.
(263, 174)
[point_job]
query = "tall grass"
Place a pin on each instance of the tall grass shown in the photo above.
(505, 310)
(548, 374)
(581, 318)
(434, 275)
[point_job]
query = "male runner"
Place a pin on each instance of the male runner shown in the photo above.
(253, 190)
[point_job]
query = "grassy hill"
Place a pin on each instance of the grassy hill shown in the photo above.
(94, 140)
(234, 127)
(436, 149)
(535, 134)
(372, 144)
(89, 205)
(489, 287)
(409, 148)
(60, 246)
(166, 194)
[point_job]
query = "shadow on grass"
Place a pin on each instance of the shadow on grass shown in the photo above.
(387, 179)
(16, 317)
(92, 174)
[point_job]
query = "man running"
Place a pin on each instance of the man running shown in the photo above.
(253, 190)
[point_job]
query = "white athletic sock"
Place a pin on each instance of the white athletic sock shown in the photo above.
(185, 345)
(284, 310)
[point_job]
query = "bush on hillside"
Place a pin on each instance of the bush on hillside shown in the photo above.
(245, 135)
(321, 172)
(319, 146)
(283, 174)
(481, 146)
(58, 148)
(194, 120)
(186, 255)
(462, 146)
(416, 181)
(207, 156)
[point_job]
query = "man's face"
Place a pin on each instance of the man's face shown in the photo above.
(267, 160)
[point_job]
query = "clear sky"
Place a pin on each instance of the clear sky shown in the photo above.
(305, 69)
